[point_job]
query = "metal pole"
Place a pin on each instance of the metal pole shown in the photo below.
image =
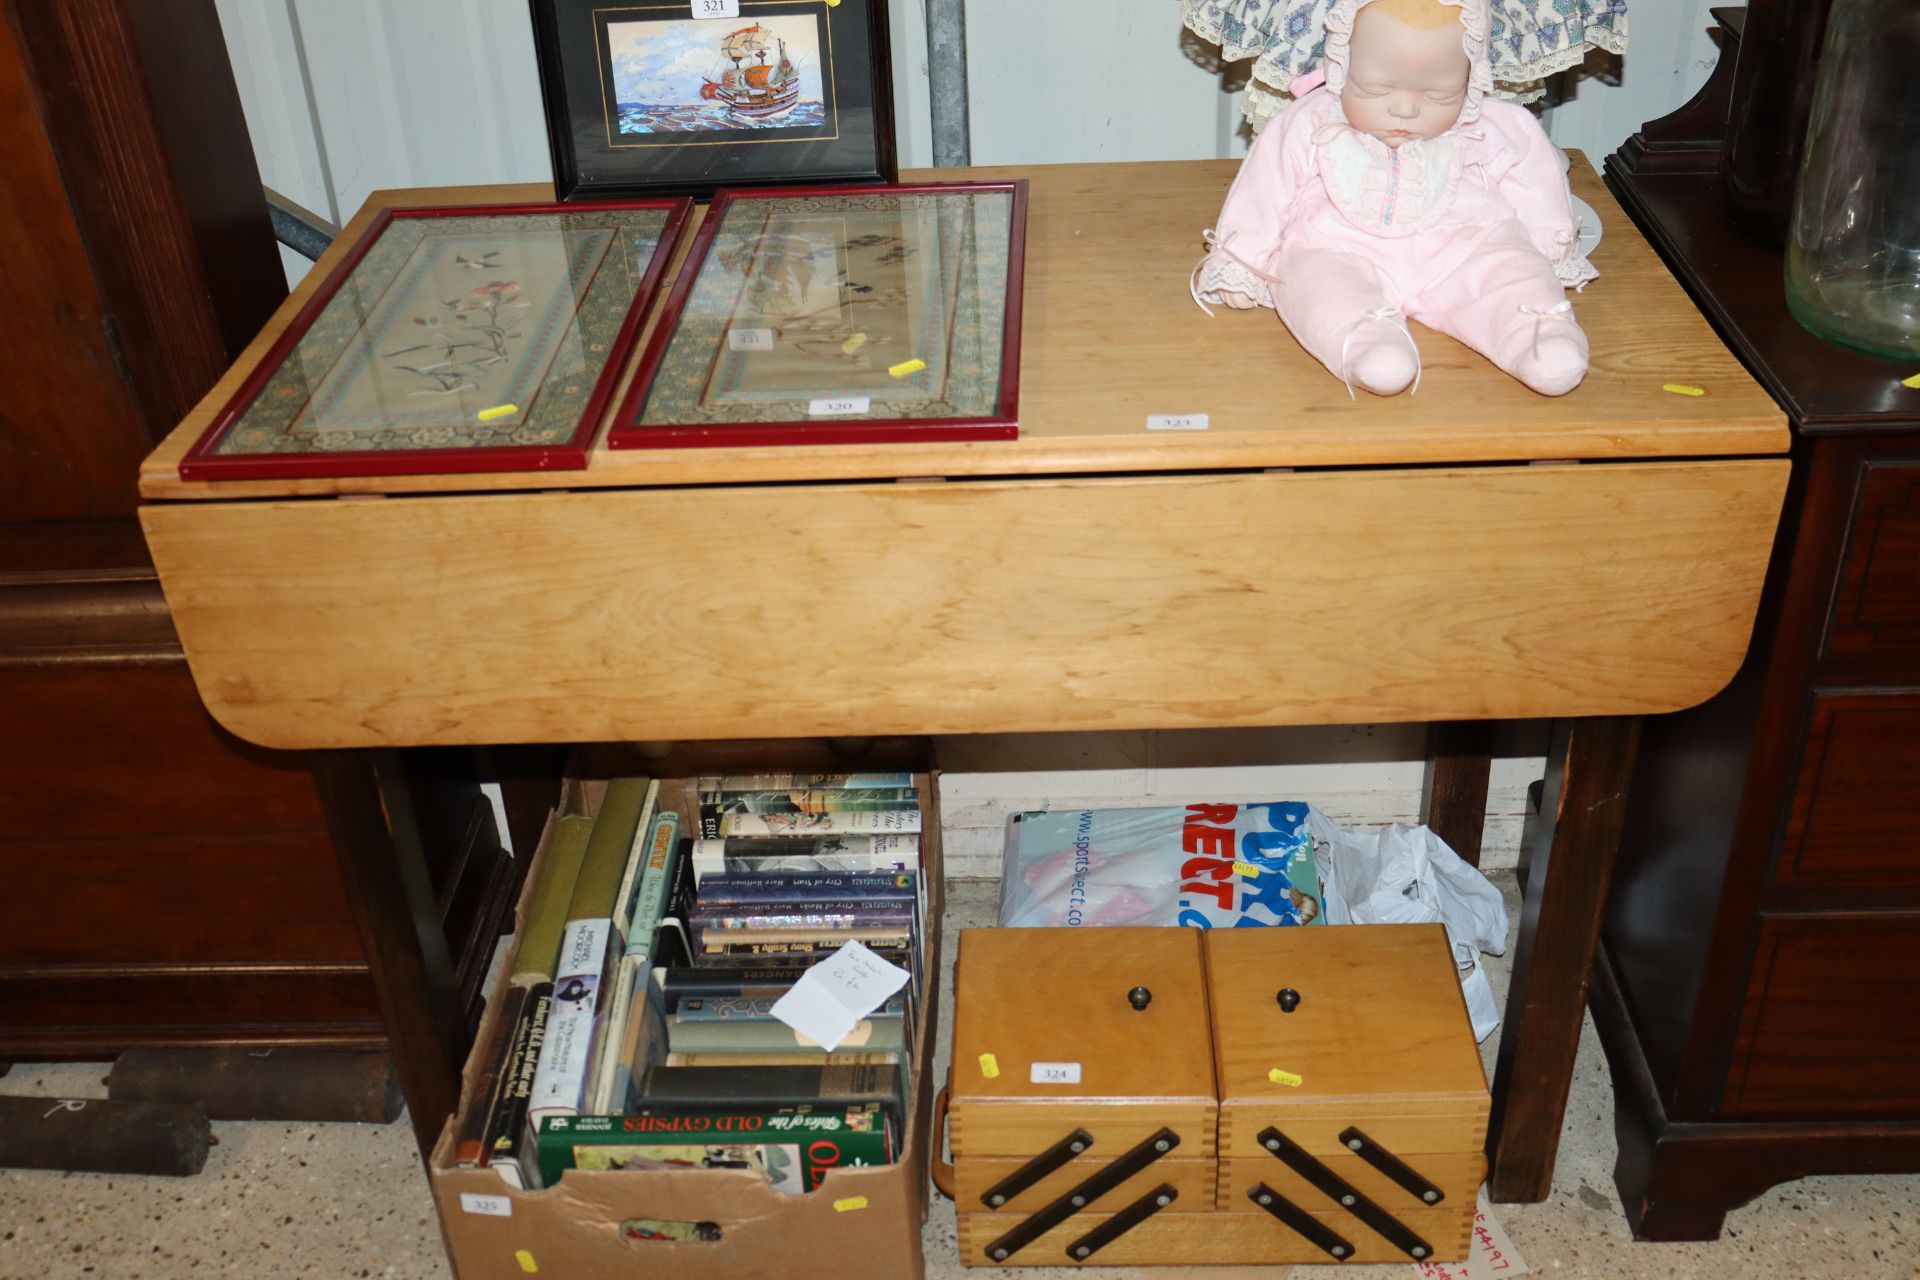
(947, 82)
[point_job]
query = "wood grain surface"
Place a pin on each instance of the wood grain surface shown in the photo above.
(1177, 601)
(1192, 1176)
(1179, 1235)
(1111, 336)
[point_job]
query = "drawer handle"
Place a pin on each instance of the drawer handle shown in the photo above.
(1080, 1197)
(1037, 1168)
(1331, 1184)
(1122, 1222)
(1385, 1161)
(1318, 1233)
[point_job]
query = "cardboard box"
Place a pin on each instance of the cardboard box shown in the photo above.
(859, 1224)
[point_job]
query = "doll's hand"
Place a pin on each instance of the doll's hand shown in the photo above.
(1237, 300)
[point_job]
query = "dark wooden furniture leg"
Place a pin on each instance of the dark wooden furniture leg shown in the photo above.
(1587, 774)
(377, 842)
(1453, 797)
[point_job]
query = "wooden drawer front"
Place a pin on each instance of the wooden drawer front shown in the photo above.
(1876, 610)
(1855, 818)
(986, 606)
(1192, 1177)
(1832, 1023)
(1177, 1235)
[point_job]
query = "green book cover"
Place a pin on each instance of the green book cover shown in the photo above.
(546, 916)
(608, 850)
(792, 1147)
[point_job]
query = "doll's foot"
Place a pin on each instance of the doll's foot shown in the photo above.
(1555, 358)
(1552, 366)
(1381, 358)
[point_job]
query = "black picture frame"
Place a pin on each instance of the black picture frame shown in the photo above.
(604, 148)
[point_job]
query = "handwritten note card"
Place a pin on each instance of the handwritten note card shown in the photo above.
(830, 999)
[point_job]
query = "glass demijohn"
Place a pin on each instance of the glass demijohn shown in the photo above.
(1853, 256)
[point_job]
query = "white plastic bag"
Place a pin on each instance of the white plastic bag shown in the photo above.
(1408, 875)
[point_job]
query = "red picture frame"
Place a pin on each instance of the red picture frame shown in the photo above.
(1000, 424)
(202, 462)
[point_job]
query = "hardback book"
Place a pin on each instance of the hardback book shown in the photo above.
(508, 1143)
(792, 1147)
(820, 916)
(850, 1058)
(470, 1144)
(613, 1070)
(639, 857)
(1202, 865)
(875, 1034)
(610, 849)
(546, 918)
(715, 806)
(740, 782)
(719, 946)
(821, 1085)
(822, 855)
(864, 822)
(785, 886)
(759, 1005)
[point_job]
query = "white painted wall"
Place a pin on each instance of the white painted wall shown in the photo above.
(344, 97)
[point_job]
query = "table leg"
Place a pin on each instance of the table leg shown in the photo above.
(1454, 794)
(1588, 770)
(377, 843)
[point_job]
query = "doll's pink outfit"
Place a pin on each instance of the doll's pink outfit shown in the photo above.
(1471, 233)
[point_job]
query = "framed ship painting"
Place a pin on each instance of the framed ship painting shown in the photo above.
(653, 98)
(839, 315)
(482, 338)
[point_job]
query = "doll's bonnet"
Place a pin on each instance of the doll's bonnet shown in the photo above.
(1473, 25)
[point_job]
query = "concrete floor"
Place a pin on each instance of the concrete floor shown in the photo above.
(350, 1201)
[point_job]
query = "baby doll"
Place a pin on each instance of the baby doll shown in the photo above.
(1399, 188)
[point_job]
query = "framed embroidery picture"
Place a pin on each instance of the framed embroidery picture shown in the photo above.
(481, 338)
(684, 96)
(830, 316)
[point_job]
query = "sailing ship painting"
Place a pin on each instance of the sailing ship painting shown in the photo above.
(680, 75)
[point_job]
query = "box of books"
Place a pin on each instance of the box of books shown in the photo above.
(644, 1092)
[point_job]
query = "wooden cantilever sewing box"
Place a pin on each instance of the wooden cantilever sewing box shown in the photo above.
(1138, 1096)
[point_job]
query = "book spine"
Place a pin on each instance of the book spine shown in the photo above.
(612, 1073)
(819, 1086)
(796, 1059)
(546, 918)
(804, 781)
(881, 822)
(757, 1005)
(650, 905)
(623, 901)
(847, 855)
(469, 1147)
(790, 887)
(608, 850)
(804, 915)
(508, 1143)
(814, 1142)
(560, 1085)
(869, 1035)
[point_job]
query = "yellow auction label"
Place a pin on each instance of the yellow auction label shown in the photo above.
(498, 411)
(906, 367)
(849, 1204)
(527, 1264)
(989, 1065)
(1287, 1078)
(1913, 382)
(1245, 869)
(1682, 389)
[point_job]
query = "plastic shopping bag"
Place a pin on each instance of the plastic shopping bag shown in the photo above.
(1408, 875)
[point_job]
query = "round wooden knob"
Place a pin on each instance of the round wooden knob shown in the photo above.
(1139, 997)
(1289, 999)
